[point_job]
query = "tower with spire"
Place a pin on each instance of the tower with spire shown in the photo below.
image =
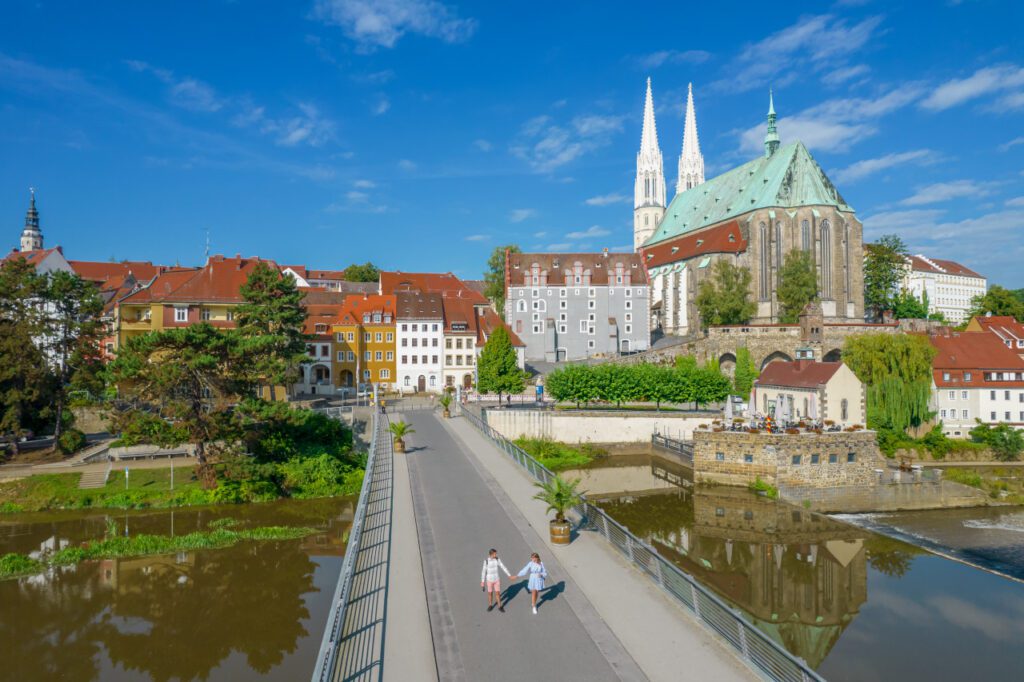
(771, 139)
(31, 236)
(691, 162)
(649, 200)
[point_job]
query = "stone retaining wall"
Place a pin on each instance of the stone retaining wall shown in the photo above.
(886, 497)
(597, 426)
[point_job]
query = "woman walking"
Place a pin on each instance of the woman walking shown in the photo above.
(491, 581)
(535, 569)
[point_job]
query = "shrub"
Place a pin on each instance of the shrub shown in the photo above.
(18, 564)
(1005, 441)
(322, 476)
(759, 486)
(970, 478)
(71, 441)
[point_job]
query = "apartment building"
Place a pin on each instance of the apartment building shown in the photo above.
(950, 287)
(364, 342)
(420, 333)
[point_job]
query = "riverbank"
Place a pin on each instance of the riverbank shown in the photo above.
(167, 488)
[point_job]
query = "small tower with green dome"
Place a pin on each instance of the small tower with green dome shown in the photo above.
(771, 140)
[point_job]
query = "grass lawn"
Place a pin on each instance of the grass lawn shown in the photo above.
(624, 408)
(146, 488)
(560, 456)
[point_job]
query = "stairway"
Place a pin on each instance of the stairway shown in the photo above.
(93, 479)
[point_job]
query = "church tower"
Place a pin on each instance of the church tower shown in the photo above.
(771, 139)
(691, 162)
(31, 236)
(649, 192)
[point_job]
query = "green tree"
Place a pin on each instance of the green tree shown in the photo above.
(71, 334)
(907, 306)
(884, 263)
(998, 301)
(724, 297)
(178, 386)
(367, 272)
(746, 373)
(655, 383)
(574, 383)
(709, 385)
(1005, 441)
(494, 277)
(497, 367)
(25, 376)
(270, 326)
(897, 371)
(798, 285)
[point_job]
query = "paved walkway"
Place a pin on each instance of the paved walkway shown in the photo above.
(459, 517)
(664, 639)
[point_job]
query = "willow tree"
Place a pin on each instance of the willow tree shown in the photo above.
(897, 371)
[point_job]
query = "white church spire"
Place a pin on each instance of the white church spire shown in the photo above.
(691, 162)
(649, 196)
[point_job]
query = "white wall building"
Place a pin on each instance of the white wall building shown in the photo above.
(419, 347)
(950, 286)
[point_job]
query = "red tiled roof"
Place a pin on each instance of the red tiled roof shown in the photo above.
(321, 296)
(427, 282)
(34, 257)
(922, 263)
(479, 319)
(356, 306)
(1003, 326)
(560, 267)
(338, 275)
(798, 374)
(299, 270)
(976, 353)
(100, 272)
(162, 286)
(325, 314)
(723, 238)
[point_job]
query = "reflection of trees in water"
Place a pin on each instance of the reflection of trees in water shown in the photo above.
(46, 628)
(247, 599)
(890, 556)
(652, 515)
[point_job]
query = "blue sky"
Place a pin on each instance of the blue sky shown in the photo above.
(419, 134)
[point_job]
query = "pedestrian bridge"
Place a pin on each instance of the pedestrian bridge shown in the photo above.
(406, 606)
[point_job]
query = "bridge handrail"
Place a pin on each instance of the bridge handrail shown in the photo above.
(329, 646)
(757, 649)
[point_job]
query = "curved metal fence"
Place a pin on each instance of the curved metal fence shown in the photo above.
(353, 643)
(760, 651)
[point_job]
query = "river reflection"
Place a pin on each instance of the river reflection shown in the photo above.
(249, 611)
(854, 604)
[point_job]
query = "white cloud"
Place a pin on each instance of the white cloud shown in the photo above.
(382, 106)
(547, 146)
(520, 214)
(540, 234)
(945, 191)
(835, 124)
(982, 82)
(477, 238)
(561, 246)
(407, 165)
(364, 184)
(374, 77)
(483, 145)
(592, 231)
(307, 126)
(845, 73)
(1015, 100)
(607, 199)
(187, 93)
(865, 167)
(656, 59)
(889, 222)
(811, 44)
(381, 23)
(356, 196)
(1015, 202)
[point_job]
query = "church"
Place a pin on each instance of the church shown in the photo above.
(752, 215)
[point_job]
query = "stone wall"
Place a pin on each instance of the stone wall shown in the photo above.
(597, 426)
(843, 459)
(91, 419)
(886, 497)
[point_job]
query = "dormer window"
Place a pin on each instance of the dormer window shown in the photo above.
(387, 319)
(366, 318)
(376, 317)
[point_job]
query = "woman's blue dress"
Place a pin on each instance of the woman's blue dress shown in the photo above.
(537, 575)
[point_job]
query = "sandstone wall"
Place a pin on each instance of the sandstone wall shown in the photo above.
(597, 426)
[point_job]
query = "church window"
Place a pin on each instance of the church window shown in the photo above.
(846, 259)
(647, 220)
(778, 246)
(826, 260)
(805, 235)
(763, 274)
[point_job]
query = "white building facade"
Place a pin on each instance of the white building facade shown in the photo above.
(419, 342)
(949, 286)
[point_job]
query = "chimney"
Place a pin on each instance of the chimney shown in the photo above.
(606, 252)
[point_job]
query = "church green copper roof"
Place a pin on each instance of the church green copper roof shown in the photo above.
(789, 178)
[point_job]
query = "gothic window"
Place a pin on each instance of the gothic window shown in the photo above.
(646, 219)
(826, 260)
(805, 235)
(846, 259)
(763, 274)
(778, 246)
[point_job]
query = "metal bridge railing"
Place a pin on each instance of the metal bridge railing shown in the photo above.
(760, 651)
(352, 647)
(684, 448)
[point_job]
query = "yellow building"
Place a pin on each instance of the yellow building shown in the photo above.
(364, 342)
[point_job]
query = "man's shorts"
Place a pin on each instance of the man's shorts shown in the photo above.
(493, 586)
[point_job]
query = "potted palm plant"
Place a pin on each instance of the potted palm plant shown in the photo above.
(399, 430)
(446, 401)
(560, 495)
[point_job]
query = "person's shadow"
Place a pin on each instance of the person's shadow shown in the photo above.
(512, 590)
(551, 593)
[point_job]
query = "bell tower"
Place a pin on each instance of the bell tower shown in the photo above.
(649, 191)
(31, 236)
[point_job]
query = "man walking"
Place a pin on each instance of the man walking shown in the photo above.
(490, 581)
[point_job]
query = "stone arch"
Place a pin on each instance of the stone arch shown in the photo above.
(777, 355)
(727, 363)
(834, 355)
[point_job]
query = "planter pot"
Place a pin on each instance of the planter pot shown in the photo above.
(560, 532)
(399, 445)
(447, 413)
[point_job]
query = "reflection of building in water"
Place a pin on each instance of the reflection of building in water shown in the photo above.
(801, 576)
(113, 570)
(632, 475)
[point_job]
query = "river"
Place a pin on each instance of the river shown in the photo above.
(854, 603)
(254, 611)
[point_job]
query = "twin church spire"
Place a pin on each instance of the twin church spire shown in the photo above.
(649, 195)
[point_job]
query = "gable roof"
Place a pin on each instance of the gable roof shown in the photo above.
(325, 314)
(427, 282)
(974, 352)
(477, 317)
(1006, 327)
(559, 267)
(416, 305)
(921, 263)
(102, 273)
(724, 238)
(161, 286)
(789, 178)
(355, 307)
(798, 374)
